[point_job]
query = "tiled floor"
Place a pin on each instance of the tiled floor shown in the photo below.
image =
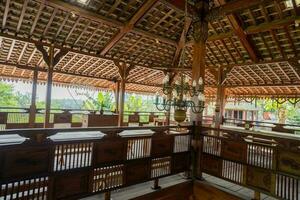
(140, 189)
(144, 188)
(235, 189)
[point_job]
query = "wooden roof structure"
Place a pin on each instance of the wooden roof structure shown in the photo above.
(258, 43)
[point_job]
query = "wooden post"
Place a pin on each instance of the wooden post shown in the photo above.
(168, 113)
(107, 195)
(156, 184)
(121, 102)
(32, 111)
(220, 102)
(49, 87)
(117, 96)
(200, 35)
(124, 70)
(51, 61)
(256, 195)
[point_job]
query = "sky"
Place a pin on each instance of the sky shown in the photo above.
(57, 92)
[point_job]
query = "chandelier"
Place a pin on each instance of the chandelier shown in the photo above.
(179, 96)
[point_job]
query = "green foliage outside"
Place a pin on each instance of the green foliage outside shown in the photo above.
(285, 112)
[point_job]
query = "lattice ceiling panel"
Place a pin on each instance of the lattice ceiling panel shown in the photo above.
(267, 74)
(88, 65)
(265, 91)
(142, 88)
(278, 43)
(31, 19)
(143, 51)
(164, 21)
(20, 53)
(265, 13)
(210, 79)
(220, 52)
(15, 73)
(121, 10)
(146, 76)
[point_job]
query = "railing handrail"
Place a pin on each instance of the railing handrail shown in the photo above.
(77, 109)
(106, 129)
(268, 135)
(261, 122)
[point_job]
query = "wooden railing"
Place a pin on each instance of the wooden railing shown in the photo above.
(18, 118)
(263, 125)
(268, 163)
(50, 164)
(46, 166)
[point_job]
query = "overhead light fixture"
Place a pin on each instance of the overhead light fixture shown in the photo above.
(85, 2)
(289, 3)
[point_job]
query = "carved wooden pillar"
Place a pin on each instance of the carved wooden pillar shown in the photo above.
(221, 98)
(32, 111)
(49, 87)
(51, 61)
(124, 70)
(121, 102)
(172, 76)
(200, 35)
(117, 95)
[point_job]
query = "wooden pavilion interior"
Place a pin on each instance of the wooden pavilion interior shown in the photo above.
(242, 49)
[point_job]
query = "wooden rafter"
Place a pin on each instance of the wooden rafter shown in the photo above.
(129, 26)
(101, 19)
(245, 40)
(5, 13)
(22, 15)
(181, 43)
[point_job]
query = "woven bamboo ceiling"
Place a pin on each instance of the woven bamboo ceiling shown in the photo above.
(258, 44)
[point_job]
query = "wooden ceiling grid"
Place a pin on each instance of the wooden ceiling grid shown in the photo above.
(149, 35)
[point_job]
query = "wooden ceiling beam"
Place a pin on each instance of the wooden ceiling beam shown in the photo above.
(244, 38)
(22, 15)
(181, 43)
(84, 13)
(5, 14)
(129, 25)
(276, 24)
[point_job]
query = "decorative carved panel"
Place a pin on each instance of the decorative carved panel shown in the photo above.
(180, 162)
(24, 162)
(3, 118)
(65, 117)
(71, 185)
(259, 178)
(100, 120)
(137, 171)
(232, 150)
(162, 146)
(211, 165)
(134, 118)
(289, 162)
(109, 151)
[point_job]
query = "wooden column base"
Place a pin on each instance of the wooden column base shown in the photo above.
(107, 195)
(156, 185)
(256, 195)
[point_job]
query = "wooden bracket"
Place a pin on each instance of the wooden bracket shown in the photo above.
(44, 53)
(60, 55)
(124, 69)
